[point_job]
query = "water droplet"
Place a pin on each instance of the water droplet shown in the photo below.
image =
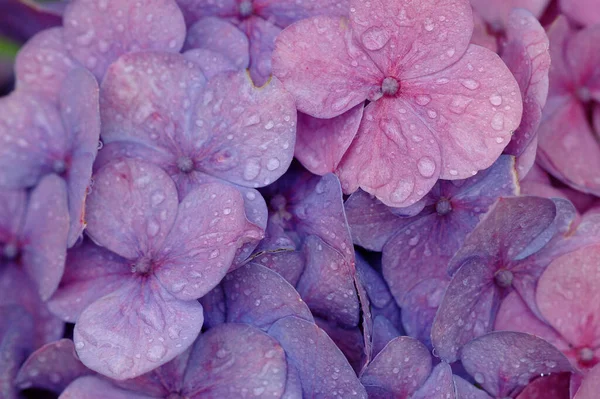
(453, 172)
(375, 38)
(426, 166)
(269, 125)
(498, 121)
(152, 228)
(79, 345)
(156, 353)
(496, 100)
(450, 52)
(251, 170)
(499, 140)
(157, 198)
(469, 84)
(479, 378)
(432, 114)
(273, 164)
(423, 100)
(428, 24)
(403, 191)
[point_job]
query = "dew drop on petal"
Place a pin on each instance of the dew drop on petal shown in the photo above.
(469, 84)
(496, 100)
(426, 166)
(273, 164)
(375, 38)
(498, 121)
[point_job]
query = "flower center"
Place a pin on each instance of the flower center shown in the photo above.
(175, 396)
(10, 252)
(185, 164)
(143, 266)
(246, 8)
(59, 166)
(390, 86)
(443, 207)
(503, 278)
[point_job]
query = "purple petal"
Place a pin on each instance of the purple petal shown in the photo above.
(215, 310)
(398, 370)
(135, 329)
(210, 227)
(327, 284)
(210, 62)
(15, 330)
(321, 143)
(259, 297)
(290, 265)
(466, 390)
(52, 367)
(375, 286)
(349, 340)
(45, 234)
(96, 34)
(232, 360)
(221, 37)
(439, 385)
(13, 204)
(95, 388)
(320, 364)
(91, 272)
(383, 332)
(504, 362)
(132, 208)
(262, 34)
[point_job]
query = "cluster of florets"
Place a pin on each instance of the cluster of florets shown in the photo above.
(436, 236)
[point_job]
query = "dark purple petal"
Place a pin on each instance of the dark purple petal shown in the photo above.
(97, 33)
(349, 340)
(258, 296)
(15, 332)
(398, 370)
(132, 208)
(215, 310)
(504, 362)
(383, 332)
(45, 232)
(52, 367)
(554, 386)
(135, 329)
(210, 227)
(322, 368)
(235, 360)
(439, 385)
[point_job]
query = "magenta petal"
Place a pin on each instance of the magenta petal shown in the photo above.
(52, 367)
(316, 358)
(396, 164)
(415, 39)
(321, 143)
(259, 297)
(210, 227)
(79, 103)
(584, 12)
(554, 386)
(45, 233)
(327, 284)
(15, 330)
(590, 386)
(262, 34)
(221, 37)
(398, 370)
(95, 388)
(504, 362)
(209, 62)
(527, 56)
(135, 329)
(472, 107)
(497, 13)
(91, 272)
(132, 208)
(96, 34)
(43, 63)
(439, 385)
(331, 75)
(232, 360)
(252, 133)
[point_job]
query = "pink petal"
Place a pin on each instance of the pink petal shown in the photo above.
(568, 296)
(389, 159)
(326, 72)
(52, 367)
(91, 272)
(398, 370)
(412, 39)
(371, 222)
(261, 34)
(96, 34)
(132, 208)
(439, 385)
(79, 103)
(497, 12)
(554, 386)
(95, 388)
(252, 133)
(45, 234)
(135, 329)
(316, 359)
(321, 143)
(232, 360)
(472, 108)
(493, 358)
(209, 62)
(210, 227)
(481, 35)
(327, 283)
(590, 386)
(584, 12)
(259, 297)
(527, 56)
(43, 63)
(566, 130)
(222, 37)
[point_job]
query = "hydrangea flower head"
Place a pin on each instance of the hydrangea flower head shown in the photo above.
(440, 108)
